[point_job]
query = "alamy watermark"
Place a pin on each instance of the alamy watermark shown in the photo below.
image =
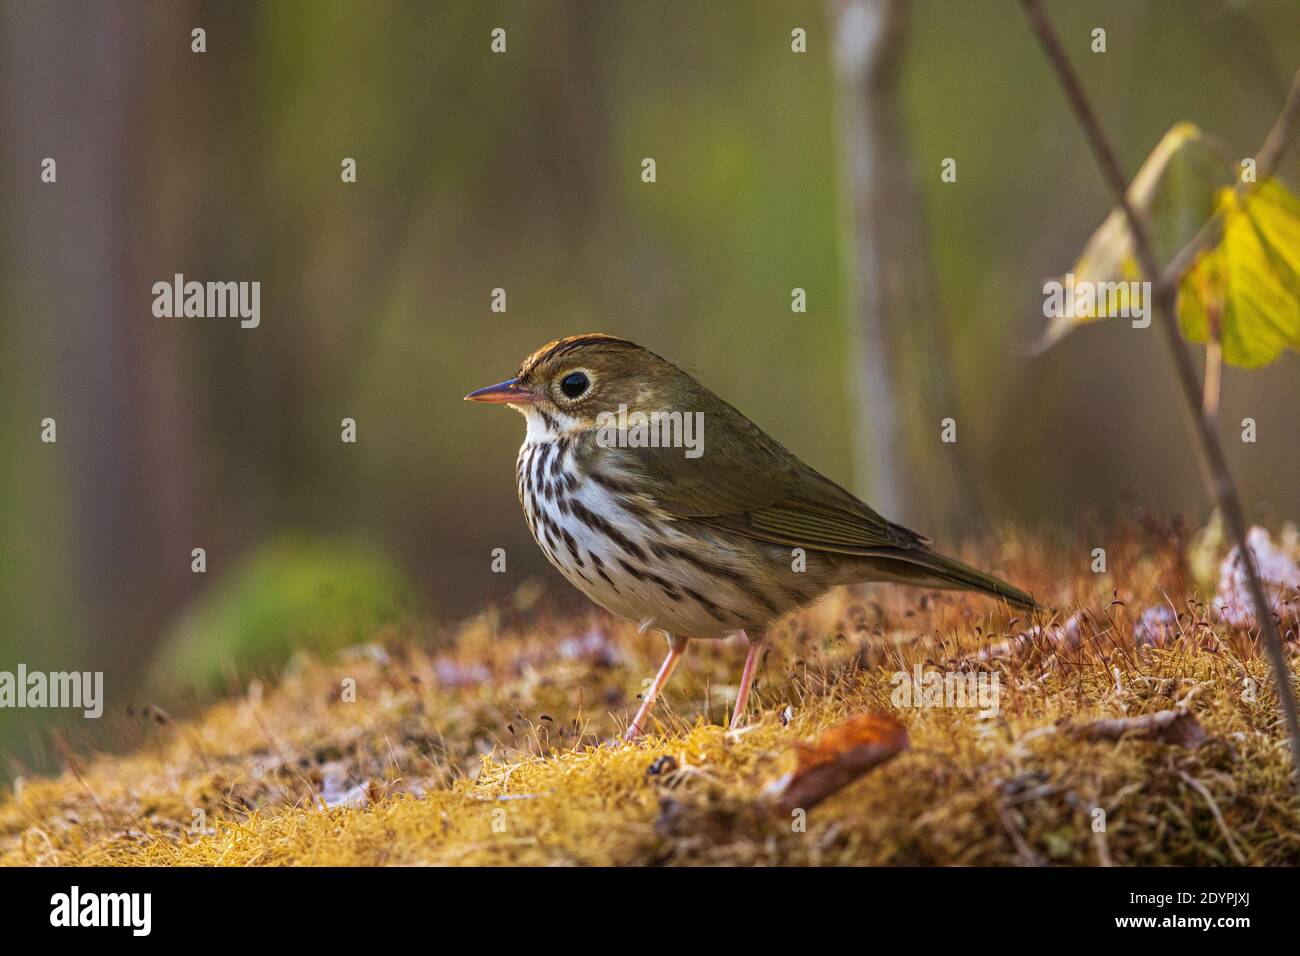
(936, 688)
(81, 690)
(1084, 299)
(624, 429)
(208, 300)
(133, 911)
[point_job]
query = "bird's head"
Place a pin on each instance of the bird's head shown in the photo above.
(566, 385)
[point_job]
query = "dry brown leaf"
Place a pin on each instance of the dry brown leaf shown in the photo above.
(839, 756)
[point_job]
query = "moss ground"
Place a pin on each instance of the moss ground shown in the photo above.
(488, 743)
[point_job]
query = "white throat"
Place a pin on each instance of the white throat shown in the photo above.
(541, 430)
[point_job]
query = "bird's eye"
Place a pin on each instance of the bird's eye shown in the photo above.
(574, 384)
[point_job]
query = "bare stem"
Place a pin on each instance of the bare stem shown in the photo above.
(1213, 379)
(1267, 158)
(1164, 295)
(1213, 306)
(1213, 365)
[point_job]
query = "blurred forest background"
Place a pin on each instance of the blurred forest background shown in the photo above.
(522, 171)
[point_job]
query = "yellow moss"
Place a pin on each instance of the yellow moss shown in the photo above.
(491, 750)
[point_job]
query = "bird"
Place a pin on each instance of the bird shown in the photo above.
(668, 507)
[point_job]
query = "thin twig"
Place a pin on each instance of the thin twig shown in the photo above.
(1267, 158)
(1208, 797)
(1164, 297)
(1213, 368)
(1213, 351)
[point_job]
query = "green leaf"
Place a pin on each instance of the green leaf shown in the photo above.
(1251, 279)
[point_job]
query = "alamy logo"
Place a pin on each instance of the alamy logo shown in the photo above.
(1083, 299)
(208, 300)
(75, 908)
(624, 429)
(934, 688)
(82, 690)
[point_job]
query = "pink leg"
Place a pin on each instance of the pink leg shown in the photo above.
(747, 676)
(676, 645)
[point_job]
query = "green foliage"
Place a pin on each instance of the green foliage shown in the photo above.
(292, 592)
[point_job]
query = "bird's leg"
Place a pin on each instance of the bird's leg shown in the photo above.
(755, 654)
(676, 645)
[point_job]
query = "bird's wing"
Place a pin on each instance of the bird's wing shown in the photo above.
(751, 485)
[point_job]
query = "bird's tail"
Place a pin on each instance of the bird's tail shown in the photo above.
(929, 569)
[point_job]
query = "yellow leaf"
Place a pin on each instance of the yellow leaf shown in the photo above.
(1251, 279)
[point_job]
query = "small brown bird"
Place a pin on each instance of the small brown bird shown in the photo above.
(665, 505)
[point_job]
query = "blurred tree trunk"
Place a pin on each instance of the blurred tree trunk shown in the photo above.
(115, 385)
(901, 370)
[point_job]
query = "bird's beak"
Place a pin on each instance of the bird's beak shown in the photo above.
(509, 392)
